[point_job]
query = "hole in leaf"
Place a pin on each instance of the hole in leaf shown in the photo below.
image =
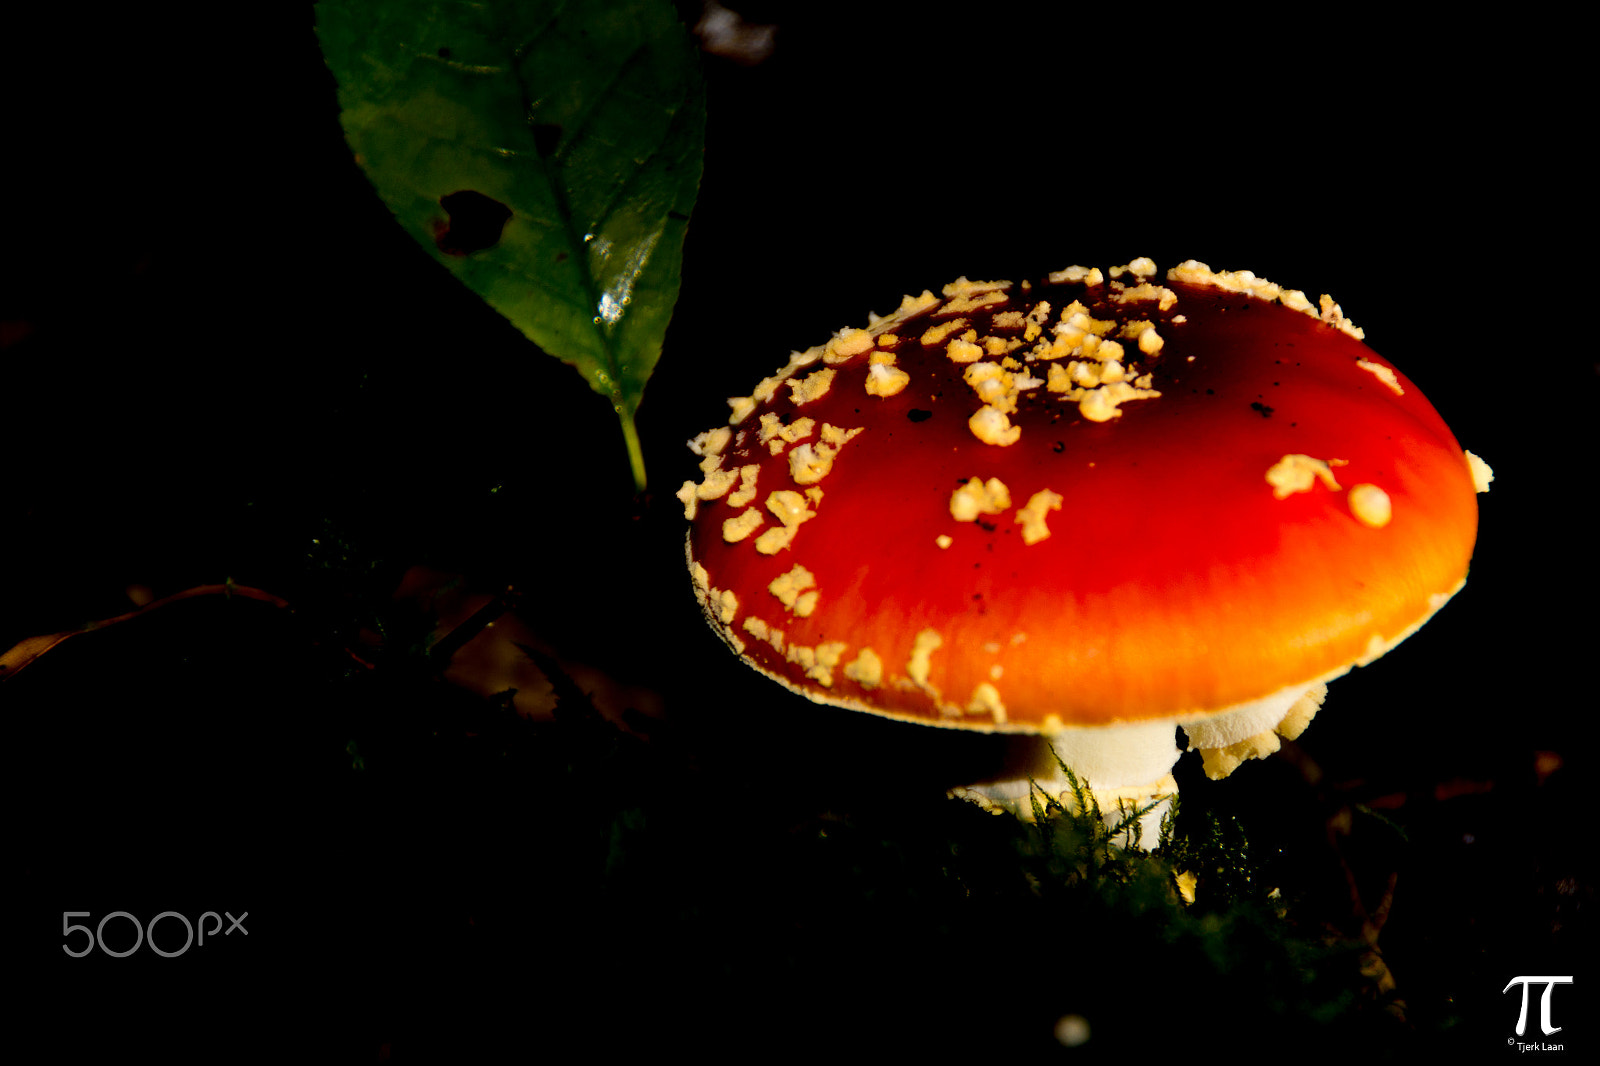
(476, 222)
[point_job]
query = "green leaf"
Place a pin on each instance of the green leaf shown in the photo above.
(547, 153)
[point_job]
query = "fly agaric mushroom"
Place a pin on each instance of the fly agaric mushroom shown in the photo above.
(1085, 511)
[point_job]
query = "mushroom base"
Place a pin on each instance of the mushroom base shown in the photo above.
(1129, 768)
(1151, 803)
(1120, 771)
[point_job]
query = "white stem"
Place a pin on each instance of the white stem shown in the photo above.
(1124, 768)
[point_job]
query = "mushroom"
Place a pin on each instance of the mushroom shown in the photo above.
(1088, 512)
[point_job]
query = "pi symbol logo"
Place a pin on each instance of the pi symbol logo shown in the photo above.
(1544, 1001)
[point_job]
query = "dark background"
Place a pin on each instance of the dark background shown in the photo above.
(222, 360)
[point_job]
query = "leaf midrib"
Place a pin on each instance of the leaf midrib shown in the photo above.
(551, 168)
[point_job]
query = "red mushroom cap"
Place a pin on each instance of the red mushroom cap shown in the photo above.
(1212, 493)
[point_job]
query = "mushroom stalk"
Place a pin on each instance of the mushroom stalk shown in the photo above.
(1120, 770)
(1129, 769)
